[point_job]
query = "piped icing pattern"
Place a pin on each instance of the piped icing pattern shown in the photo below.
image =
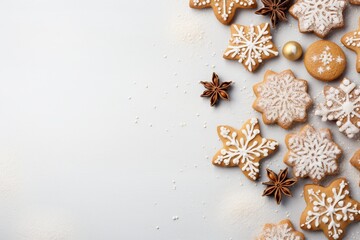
(342, 104)
(244, 148)
(284, 230)
(351, 40)
(312, 153)
(319, 16)
(329, 208)
(250, 45)
(224, 9)
(282, 98)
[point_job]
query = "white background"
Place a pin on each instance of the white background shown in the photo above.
(103, 134)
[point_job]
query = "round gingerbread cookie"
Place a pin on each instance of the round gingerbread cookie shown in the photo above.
(325, 60)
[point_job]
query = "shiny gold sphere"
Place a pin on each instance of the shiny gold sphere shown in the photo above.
(292, 50)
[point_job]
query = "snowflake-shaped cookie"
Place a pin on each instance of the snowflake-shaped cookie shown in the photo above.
(224, 9)
(342, 105)
(250, 45)
(282, 98)
(312, 153)
(284, 230)
(244, 148)
(329, 209)
(351, 40)
(319, 16)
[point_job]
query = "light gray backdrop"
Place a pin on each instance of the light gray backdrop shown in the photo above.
(103, 134)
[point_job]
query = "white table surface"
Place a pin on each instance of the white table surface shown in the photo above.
(104, 135)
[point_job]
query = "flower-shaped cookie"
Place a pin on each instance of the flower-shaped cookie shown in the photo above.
(224, 9)
(312, 153)
(319, 16)
(343, 106)
(284, 230)
(250, 45)
(282, 98)
(329, 209)
(243, 148)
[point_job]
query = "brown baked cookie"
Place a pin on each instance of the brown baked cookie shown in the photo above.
(342, 104)
(224, 9)
(318, 16)
(325, 60)
(355, 160)
(356, 2)
(284, 230)
(330, 209)
(351, 40)
(243, 148)
(282, 98)
(312, 153)
(250, 45)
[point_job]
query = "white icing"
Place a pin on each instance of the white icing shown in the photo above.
(283, 98)
(330, 209)
(326, 58)
(342, 105)
(312, 153)
(224, 7)
(353, 40)
(279, 232)
(250, 46)
(319, 16)
(243, 149)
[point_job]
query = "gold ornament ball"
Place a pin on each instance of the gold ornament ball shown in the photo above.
(292, 50)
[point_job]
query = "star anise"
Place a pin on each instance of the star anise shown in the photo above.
(276, 9)
(278, 184)
(214, 89)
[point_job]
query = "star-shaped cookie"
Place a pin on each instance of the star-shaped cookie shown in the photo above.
(250, 45)
(351, 40)
(312, 153)
(330, 209)
(282, 98)
(243, 148)
(224, 9)
(318, 16)
(284, 230)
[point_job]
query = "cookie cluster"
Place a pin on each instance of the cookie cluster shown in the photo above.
(283, 99)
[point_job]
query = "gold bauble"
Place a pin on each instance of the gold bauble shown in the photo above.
(292, 50)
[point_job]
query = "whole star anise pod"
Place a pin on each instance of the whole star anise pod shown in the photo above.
(276, 9)
(214, 89)
(278, 184)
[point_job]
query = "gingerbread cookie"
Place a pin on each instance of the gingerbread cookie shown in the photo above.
(342, 104)
(351, 40)
(284, 230)
(325, 60)
(355, 160)
(312, 153)
(224, 9)
(356, 2)
(250, 45)
(329, 209)
(282, 98)
(318, 16)
(243, 148)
